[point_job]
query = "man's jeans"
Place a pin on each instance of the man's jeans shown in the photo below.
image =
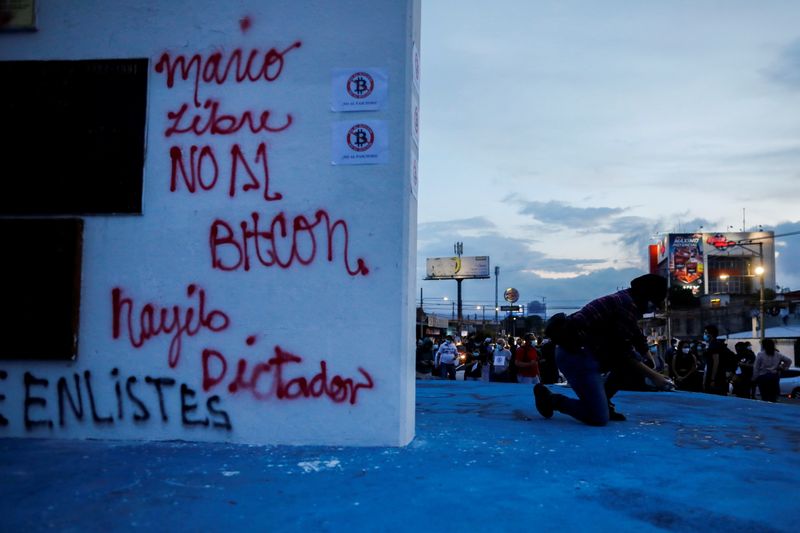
(582, 371)
(448, 371)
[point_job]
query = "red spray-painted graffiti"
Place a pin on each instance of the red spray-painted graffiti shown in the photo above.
(245, 23)
(153, 320)
(283, 240)
(282, 244)
(252, 66)
(208, 120)
(267, 380)
(204, 170)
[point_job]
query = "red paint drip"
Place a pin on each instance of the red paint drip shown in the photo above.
(245, 23)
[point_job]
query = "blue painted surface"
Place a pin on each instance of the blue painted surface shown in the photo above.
(483, 460)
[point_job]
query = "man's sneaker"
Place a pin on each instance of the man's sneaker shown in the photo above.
(544, 400)
(613, 415)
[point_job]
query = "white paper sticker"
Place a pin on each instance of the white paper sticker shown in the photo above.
(415, 65)
(499, 360)
(359, 142)
(415, 119)
(414, 173)
(359, 89)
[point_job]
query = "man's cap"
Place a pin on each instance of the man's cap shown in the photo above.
(650, 287)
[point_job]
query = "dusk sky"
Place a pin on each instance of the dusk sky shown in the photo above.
(560, 138)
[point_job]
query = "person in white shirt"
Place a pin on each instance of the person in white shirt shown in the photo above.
(500, 361)
(767, 368)
(446, 357)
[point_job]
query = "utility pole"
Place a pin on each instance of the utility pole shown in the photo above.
(760, 274)
(496, 308)
(421, 313)
(667, 309)
(458, 248)
(759, 271)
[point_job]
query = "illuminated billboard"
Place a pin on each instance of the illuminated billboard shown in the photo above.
(697, 260)
(457, 267)
(686, 259)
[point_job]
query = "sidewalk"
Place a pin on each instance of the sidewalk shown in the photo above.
(483, 460)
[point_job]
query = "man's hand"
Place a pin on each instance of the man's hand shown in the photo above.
(661, 382)
(667, 385)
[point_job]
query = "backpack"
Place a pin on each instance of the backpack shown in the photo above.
(730, 361)
(727, 359)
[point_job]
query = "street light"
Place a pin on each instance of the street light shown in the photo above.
(725, 277)
(760, 273)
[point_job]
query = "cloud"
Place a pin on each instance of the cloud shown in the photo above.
(562, 214)
(565, 281)
(787, 264)
(635, 234)
(481, 237)
(457, 226)
(560, 295)
(786, 69)
(785, 154)
(522, 264)
(576, 292)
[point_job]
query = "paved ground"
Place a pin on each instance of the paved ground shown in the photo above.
(483, 460)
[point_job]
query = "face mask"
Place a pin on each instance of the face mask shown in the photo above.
(706, 337)
(685, 350)
(654, 349)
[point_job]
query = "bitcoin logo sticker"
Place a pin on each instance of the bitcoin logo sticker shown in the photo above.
(359, 89)
(359, 142)
(360, 138)
(360, 85)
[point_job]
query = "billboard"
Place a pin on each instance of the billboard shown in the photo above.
(686, 259)
(457, 267)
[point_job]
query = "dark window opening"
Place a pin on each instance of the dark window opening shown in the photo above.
(73, 136)
(40, 275)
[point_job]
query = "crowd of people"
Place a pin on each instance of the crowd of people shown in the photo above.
(696, 365)
(600, 350)
(708, 365)
(508, 359)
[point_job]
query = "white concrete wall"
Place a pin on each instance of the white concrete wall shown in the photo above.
(358, 324)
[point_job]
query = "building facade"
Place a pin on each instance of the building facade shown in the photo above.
(717, 263)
